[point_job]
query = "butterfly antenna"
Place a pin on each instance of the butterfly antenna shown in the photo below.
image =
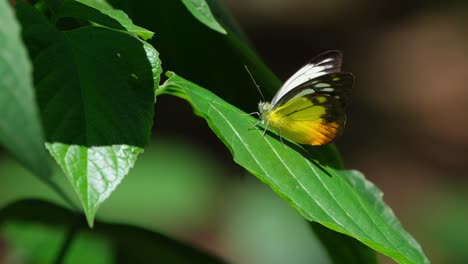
(256, 85)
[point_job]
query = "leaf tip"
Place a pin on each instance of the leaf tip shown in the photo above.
(90, 215)
(221, 30)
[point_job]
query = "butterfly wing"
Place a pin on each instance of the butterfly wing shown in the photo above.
(313, 119)
(325, 63)
(314, 112)
(338, 85)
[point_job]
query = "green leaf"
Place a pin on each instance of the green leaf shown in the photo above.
(340, 200)
(342, 248)
(20, 128)
(94, 172)
(127, 244)
(372, 195)
(99, 12)
(201, 11)
(153, 58)
(96, 95)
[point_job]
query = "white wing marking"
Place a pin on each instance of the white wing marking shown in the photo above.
(312, 70)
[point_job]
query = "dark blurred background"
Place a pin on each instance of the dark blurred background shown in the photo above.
(406, 132)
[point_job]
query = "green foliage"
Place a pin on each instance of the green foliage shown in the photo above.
(98, 12)
(201, 10)
(27, 228)
(94, 172)
(20, 127)
(95, 92)
(95, 79)
(341, 200)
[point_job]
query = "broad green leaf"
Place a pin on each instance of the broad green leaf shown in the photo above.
(201, 11)
(338, 199)
(99, 12)
(20, 127)
(127, 244)
(96, 94)
(94, 172)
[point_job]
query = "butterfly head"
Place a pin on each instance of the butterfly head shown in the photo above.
(264, 108)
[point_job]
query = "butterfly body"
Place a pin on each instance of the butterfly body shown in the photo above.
(310, 107)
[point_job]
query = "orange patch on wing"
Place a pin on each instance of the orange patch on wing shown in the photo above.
(316, 132)
(323, 133)
(302, 121)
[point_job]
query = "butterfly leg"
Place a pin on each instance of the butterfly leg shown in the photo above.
(279, 134)
(254, 113)
(254, 124)
(266, 128)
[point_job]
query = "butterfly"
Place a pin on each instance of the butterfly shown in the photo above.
(309, 108)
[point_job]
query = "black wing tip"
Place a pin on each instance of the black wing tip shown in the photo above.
(331, 53)
(347, 74)
(324, 58)
(335, 52)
